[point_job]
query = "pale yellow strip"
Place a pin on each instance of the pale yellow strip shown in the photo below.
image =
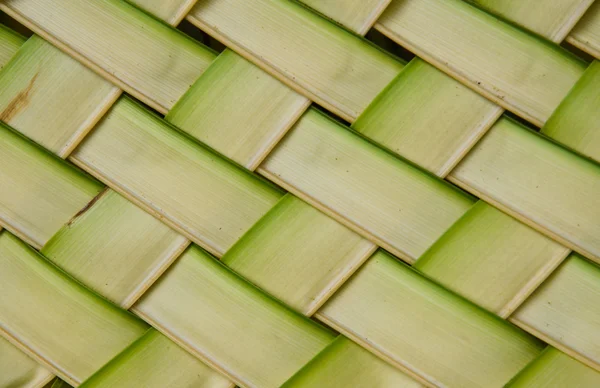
(56, 320)
(565, 311)
(326, 63)
(154, 361)
(38, 85)
(554, 369)
(346, 364)
(241, 111)
(384, 199)
(19, 370)
(115, 248)
(425, 330)
(148, 59)
(576, 122)
(550, 19)
(230, 324)
(518, 71)
(41, 80)
(171, 11)
(204, 197)
(491, 259)
(356, 15)
(238, 110)
(586, 34)
(298, 254)
(10, 42)
(537, 181)
(40, 192)
(428, 118)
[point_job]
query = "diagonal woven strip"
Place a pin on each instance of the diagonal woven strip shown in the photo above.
(402, 231)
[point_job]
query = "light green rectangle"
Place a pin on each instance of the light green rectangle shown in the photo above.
(346, 364)
(394, 204)
(491, 259)
(519, 71)
(427, 117)
(586, 34)
(550, 19)
(10, 42)
(230, 324)
(203, 196)
(298, 254)
(565, 310)
(38, 85)
(537, 181)
(19, 370)
(426, 330)
(154, 361)
(147, 58)
(238, 110)
(329, 65)
(554, 369)
(45, 192)
(576, 121)
(171, 11)
(356, 15)
(67, 327)
(115, 248)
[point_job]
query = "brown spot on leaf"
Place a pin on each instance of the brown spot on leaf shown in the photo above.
(87, 206)
(19, 102)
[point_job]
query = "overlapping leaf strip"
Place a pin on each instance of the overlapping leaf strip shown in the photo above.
(137, 215)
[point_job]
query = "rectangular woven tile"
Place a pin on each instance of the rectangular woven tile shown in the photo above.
(155, 360)
(102, 330)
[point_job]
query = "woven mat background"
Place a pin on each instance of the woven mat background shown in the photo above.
(251, 192)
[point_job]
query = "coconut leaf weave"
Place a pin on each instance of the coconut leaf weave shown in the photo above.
(266, 193)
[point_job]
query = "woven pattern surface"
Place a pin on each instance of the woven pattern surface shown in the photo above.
(265, 193)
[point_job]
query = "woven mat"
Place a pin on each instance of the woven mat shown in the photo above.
(265, 193)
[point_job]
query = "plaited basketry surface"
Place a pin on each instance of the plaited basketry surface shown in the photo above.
(265, 193)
